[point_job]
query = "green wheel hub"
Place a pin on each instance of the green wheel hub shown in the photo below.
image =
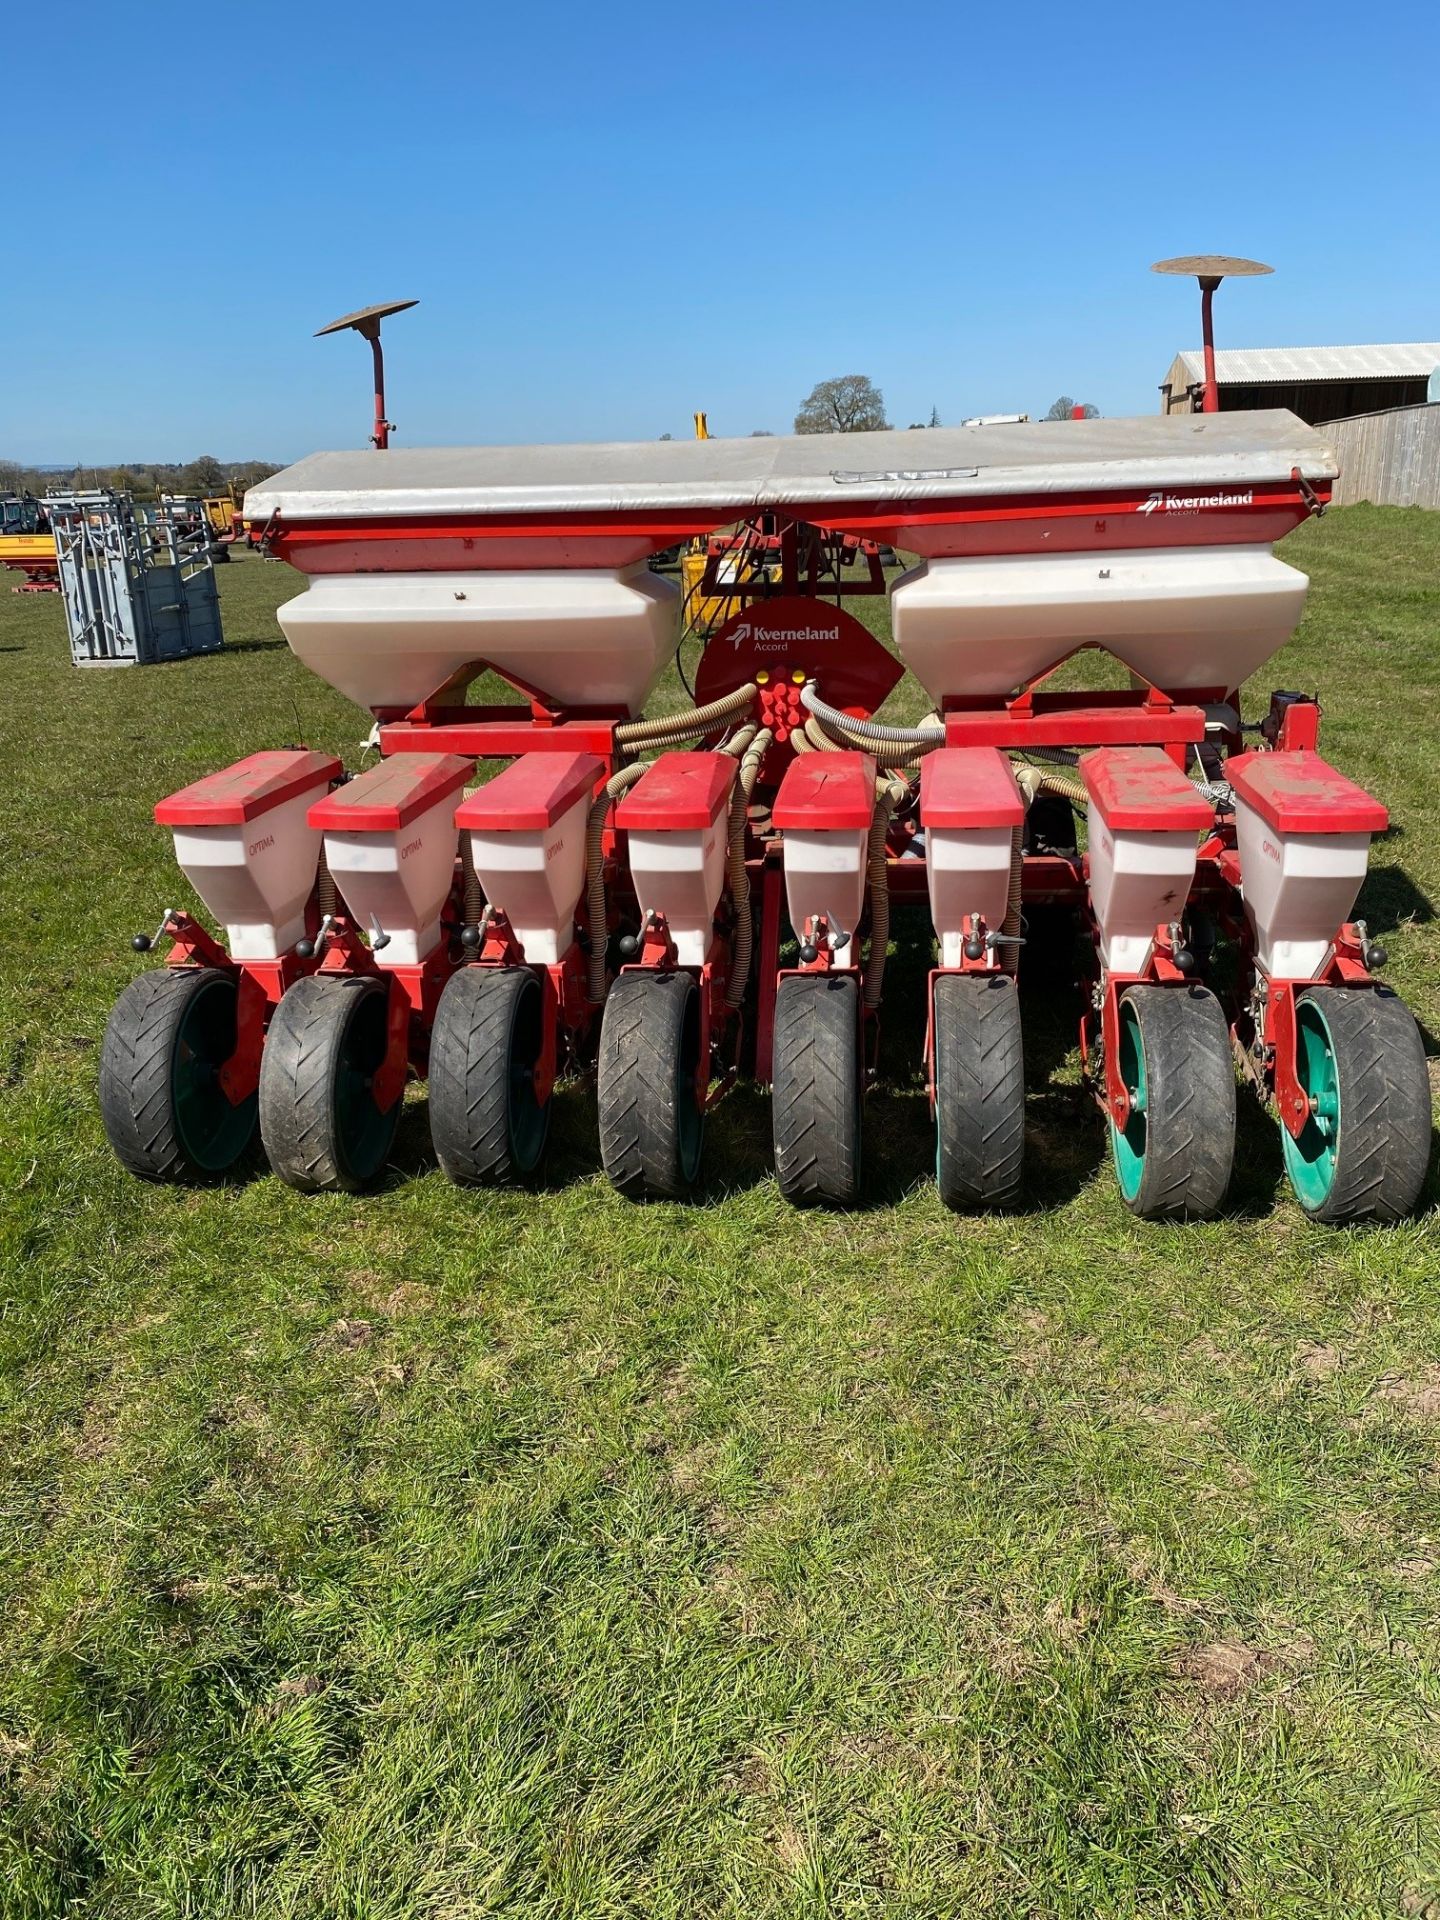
(1129, 1142)
(1311, 1159)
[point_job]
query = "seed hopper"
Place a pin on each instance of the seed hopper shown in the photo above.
(676, 900)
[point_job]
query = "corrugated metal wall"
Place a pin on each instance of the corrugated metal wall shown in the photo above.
(1392, 459)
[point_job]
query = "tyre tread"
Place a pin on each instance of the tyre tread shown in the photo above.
(1385, 1107)
(641, 1035)
(1190, 1112)
(979, 1091)
(816, 1092)
(470, 1074)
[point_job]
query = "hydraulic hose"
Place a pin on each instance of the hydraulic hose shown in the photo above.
(755, 750)
(1036, 780)
(892, 760)
(595, 870)
(685, 725)
(874, 732)
(738, 743)
(1010, 932)
(474, 895)
(889, 793)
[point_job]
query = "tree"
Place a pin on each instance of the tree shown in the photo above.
(851, 403)
(1064, 408)
(249, 473)
(205, 475)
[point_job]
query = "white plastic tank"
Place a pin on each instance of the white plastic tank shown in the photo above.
(390, 843)
(243, 841)
(1142, 823)
(1187, 618)
(674, 819)
(1303, 832)
(580, 638)
(526, 832)
(970, 808)
(824, 808)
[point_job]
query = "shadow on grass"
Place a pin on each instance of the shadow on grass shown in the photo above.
(1390, 899)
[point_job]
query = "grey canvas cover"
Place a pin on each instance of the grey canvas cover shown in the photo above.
(731, 478)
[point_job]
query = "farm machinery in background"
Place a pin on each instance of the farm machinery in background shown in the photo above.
(27, 544)
(683, 899)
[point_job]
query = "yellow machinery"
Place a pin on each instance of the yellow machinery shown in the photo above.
(735, 557)
(219, 510)
(27, 545)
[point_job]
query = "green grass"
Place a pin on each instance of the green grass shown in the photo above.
(430, 1554)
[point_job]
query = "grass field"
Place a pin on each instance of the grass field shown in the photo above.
(438, 1555)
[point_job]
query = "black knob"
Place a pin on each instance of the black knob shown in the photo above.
(1376, 956)
(142, 943)
(629, 946)
(974, 948)
(1184, 959)
(809, 953)
(305, 949)
(470, 938)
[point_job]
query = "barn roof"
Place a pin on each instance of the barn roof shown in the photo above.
(1238, 366)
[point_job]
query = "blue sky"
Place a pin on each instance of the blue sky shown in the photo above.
(613, 215)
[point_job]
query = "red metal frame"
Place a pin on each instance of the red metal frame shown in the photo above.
(1009, 523)
(260, 984)
(974, 930)
(1038, 716)
(658, 955)
(565, 1004)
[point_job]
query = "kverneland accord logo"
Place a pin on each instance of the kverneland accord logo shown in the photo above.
(752, 633)
(1162, 502)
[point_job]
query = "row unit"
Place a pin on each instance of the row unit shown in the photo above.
(250, 840)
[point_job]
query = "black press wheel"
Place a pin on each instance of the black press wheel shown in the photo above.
(1365, 1148)
(165, 1112)
(818, 1081)
(979, 1090)
(319, 1121)
(652, 1124)
(487, 1125)
(1174, 1155)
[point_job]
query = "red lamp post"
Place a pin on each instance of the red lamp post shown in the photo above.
(367, 324)
(1210, 269)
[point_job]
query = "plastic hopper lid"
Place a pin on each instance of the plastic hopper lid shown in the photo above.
(682, 792)
(826, 790)
(254, 785)
(531, 793)
(393, 794)
(1301, 793)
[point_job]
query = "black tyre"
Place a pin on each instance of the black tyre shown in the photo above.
(652, 1125)
(487, 1125)
(1364, 1150)
(979, 1091)
(321, 1127)
(817, 1091)
(165, 1112)
(1174, 1155)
